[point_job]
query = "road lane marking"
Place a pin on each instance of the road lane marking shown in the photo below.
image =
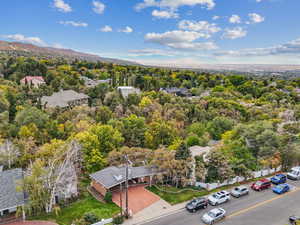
(261, 203)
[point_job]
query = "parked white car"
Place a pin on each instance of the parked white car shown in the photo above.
(294, 173)
(219, 198)
(213, 216)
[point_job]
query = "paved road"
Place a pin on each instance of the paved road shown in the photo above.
(263, 208)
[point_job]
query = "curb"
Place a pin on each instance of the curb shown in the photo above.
(158, 217)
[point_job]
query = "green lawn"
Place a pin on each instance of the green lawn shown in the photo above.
(79, 208)
(177, 198)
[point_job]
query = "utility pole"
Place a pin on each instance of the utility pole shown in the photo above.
(126, 187)
(121, 198)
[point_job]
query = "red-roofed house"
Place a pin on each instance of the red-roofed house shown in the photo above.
(34, 81)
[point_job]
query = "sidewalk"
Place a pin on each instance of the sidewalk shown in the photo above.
(155, 211)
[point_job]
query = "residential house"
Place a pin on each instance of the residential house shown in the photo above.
(65, 99)
(125, 91)
(34, 81)
(182, 92)
(93, 83)
(110, 179)
(10, 197)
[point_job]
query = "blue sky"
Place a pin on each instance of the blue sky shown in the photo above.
(161, 32)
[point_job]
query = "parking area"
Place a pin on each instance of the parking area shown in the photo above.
(263, 207)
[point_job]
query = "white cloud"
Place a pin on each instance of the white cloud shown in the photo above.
(62, 6)
(182, 40)
(175, 4)
(234, 33)
(204, 28)
(215, 17)
(99, 7)
(194, 46)
(291, 48)
(127, 30)
(106, 29)
(22, 38)
(164, 14)
(175, 36)
(256, 18)
(73, 23)
(235, 19)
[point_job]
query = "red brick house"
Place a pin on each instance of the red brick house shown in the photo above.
(110, 179)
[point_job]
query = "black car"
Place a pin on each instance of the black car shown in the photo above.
(196, 204)
(294, 220)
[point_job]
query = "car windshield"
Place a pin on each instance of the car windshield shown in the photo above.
(258, 183)
(216, 196)
(194, 202)
(237, 189)
(211, 214)
(280, 187)
(294, 172)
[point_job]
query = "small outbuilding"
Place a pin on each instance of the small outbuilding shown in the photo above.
(125, 91)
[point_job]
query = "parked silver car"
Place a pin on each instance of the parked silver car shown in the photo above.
(214, 216)
(239, 191)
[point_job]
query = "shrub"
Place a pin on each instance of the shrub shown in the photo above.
(91, 218)
(118, 220)
(108, 197)
(192, 140)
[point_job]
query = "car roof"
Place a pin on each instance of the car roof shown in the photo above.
(280, 175)
(215, 211)
(198, 199)
(283, 185)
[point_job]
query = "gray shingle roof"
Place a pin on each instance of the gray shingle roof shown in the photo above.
(112, 176)
(62, 98)
(9, 196)
(176, 91)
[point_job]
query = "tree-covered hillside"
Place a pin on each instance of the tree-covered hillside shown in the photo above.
(256, 120)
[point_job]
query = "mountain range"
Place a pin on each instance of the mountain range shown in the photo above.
(24, 49)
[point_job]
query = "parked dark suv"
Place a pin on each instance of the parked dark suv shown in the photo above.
(261, 184)
(196, 204)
